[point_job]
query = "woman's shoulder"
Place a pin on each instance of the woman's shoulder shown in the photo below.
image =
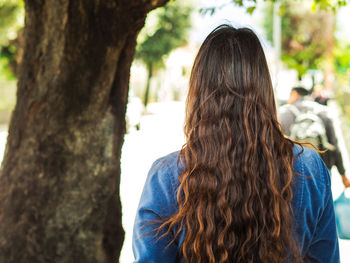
(310, 169)
(159, 191)
(311, 182)
(312, 197)
(308, 162)
(169, 161)
(165, 171)
(305, 152)
(167, 167)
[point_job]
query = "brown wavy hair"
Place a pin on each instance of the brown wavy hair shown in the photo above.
(235, 190)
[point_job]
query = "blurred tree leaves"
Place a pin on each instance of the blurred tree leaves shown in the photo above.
(342, 56)
(307, 36)
(165, 30)
(250, 5)
(11, 21)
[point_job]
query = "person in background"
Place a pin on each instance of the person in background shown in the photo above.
(238, 191)
(318, 95)
(287, 117)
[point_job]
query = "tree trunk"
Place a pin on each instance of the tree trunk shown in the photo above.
(59, 183)
(148, 85)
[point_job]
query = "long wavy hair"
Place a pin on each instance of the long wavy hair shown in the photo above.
(235, 190)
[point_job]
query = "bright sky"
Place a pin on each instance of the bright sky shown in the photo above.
(237, 16)
(229, 13)
(343, 23)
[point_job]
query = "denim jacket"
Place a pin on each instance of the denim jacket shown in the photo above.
(314, 220)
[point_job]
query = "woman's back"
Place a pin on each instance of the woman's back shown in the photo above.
(236, 197)
(312, 206)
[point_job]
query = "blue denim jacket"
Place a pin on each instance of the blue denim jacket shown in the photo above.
(312, 205)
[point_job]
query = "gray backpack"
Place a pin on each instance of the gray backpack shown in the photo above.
(308, 127)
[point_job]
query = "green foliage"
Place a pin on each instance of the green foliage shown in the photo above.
(5, 69)
(342, 56)
(11, 20)
(268, 21)
(328, 4)
(250, 5)
(166, 29)
(307, 36)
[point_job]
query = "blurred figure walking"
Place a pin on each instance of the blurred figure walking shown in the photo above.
(318, 95)
(305, 120)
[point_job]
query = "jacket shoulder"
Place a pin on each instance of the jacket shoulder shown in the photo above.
(308, 162)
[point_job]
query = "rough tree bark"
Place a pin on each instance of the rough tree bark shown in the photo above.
(59, 182)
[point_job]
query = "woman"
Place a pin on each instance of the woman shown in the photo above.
(238, 191)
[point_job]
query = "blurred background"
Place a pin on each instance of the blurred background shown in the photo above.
(303, 44)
